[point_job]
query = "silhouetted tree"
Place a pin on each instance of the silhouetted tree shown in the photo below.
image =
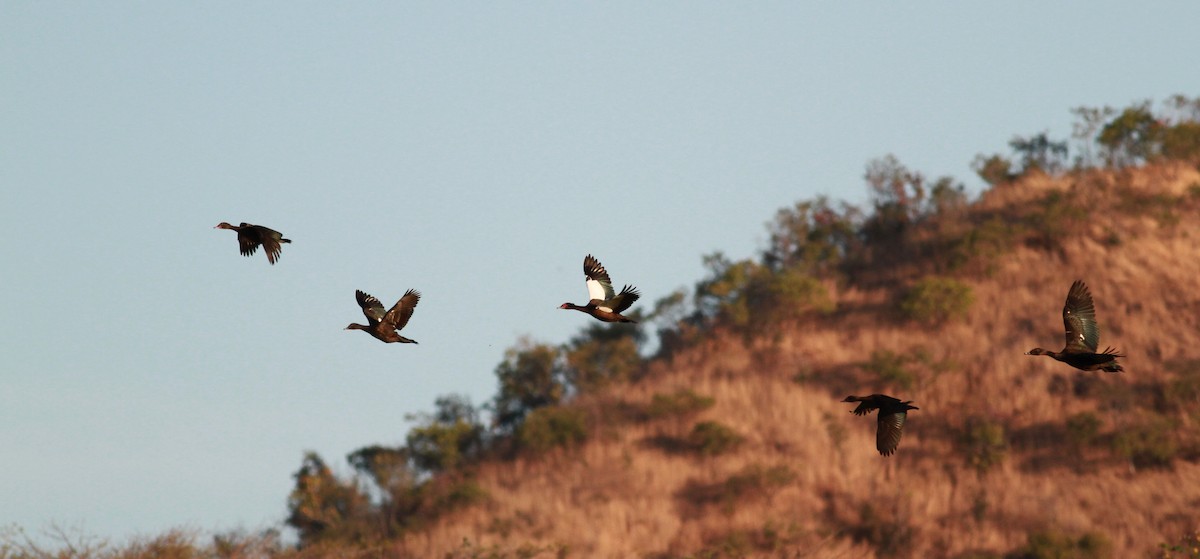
(450, 437)
(813, 236)
(896, 195)
(1132, 138)
(1089, 120)
(321, 506)
(531, 376)
(601, 354)
(1040, 152)
(994, 169)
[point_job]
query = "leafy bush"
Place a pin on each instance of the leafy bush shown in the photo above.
(887, 529)
(935, 300)
(982, 443)
(754, 481)
(1040, 153)
(1055, 545)
(984, 243)
(321, 506)
(447, 439)
(552, 427)
(794, 293)
(1187, 548)
(679, 403)
(443, 494)
(595, 363)
(1055, 219)
(813, 237)
(709, 438)
(1182, 142)
(994, 169)
(890, 368)
(1132, 137)
(1148, 445)
(531, 376)
(1183, 392)
(1082, 429)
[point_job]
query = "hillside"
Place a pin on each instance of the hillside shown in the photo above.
(715, 428)
(806, 480)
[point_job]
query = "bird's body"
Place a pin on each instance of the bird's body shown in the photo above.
(605, 303)
(1082, 336)
(251, 236)
(385, 326)
(892, 414)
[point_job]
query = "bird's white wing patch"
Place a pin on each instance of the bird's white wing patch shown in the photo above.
(596, 290)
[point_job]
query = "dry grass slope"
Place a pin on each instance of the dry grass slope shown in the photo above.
(617, 496)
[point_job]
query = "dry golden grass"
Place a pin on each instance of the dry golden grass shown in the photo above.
(618, 496)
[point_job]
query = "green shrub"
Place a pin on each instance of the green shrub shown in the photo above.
(754, 481)
(890, 368)
(552, 427)
(1082, 429)
(1148, 445)
(1183, 392)
(532, 375)
(794, 293)
(982, 443)
(679, 403)
(1055, 219)
(444, 494)
(1055, 545)
(1187, 548)
(981, 246)
(935, 300)
(887, 529)
(446, 439)
(709, 438)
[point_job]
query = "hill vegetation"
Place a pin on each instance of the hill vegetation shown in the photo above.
(721, 432)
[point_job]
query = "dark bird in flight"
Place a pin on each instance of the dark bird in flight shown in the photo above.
(1083, 335)
(892, 413)
(385, 326)
(250, 236)
(605, 304)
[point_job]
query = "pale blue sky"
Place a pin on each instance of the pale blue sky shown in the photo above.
(153, 378)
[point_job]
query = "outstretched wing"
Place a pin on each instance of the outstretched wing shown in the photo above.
(371, 307)
(598, 284)
(623, 301)
(1079, 318)
(887, 435)
(247, 241)
(403, 309)
(270, 241)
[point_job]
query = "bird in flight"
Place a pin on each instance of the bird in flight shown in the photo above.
(1083, 335)
(604, 303)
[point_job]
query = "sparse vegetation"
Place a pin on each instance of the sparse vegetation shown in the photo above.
(891, 369)
(1056, 545)
(1188, 547)
(752, 482)
(935, 301)
(828, 284)
(710, 438)
(682, 402)
(552, 427)
(1149, 444)
(982, 443)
